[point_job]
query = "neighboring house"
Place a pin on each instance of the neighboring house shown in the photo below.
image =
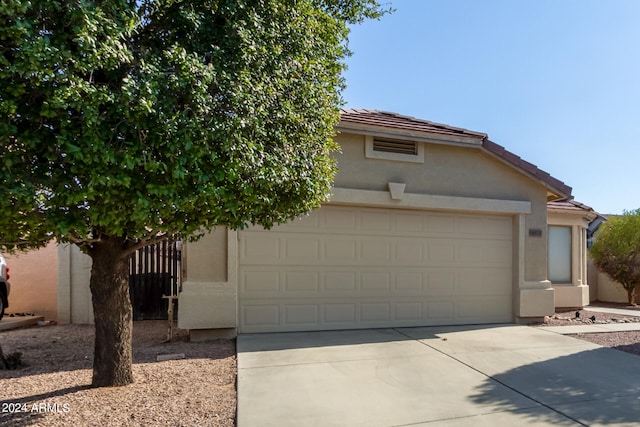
(427, 225)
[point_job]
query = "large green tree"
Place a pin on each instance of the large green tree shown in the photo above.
(616, 251)
(128, 121)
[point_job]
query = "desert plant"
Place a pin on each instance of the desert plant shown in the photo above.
(616, 251)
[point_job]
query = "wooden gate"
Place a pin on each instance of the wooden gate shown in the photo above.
(154, 271)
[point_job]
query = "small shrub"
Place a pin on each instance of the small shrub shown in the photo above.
(13, 360)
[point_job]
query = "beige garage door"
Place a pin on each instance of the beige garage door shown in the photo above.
(349, 267)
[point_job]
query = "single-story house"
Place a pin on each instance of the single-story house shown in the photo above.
(427, 224)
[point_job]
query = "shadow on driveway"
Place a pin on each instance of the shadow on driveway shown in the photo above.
(593, 387)
(450, 376)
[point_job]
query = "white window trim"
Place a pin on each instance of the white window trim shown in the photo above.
(370, 153)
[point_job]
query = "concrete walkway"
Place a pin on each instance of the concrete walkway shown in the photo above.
(491, 375)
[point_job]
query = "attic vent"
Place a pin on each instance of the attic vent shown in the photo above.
(400, 147)
(394, 150)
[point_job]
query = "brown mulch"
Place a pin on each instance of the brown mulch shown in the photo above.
(53, 388)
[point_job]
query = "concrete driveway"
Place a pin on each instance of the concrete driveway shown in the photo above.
(492, 375)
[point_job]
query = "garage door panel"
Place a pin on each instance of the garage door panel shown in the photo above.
(299, 282)
(301, 250)
(493, 228)
(502, 227)
(375, 282)
(408, 311)
(441, 283)
(340, 250)
(338, 220)
(409, 222)
(474, 253)
(259, 282)
(470, 225)
(350, 314)
(408, 252)
(440, 311)
(483, 282)
(347, 267)
(440, 252)
(408, 281)
(375, 312)
(498, 254)
(260, 317)
(302, 314)
(374, 251)
(339, 282)
(262, 248)
(375, 220)
(491, 308)
(339, 313)
(440, 224)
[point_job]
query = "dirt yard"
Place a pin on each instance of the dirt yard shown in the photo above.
(52, 390)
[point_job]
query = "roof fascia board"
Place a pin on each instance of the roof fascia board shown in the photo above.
(428, 137)
(589, 216)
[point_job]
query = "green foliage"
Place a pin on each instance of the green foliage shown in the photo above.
(134, 119)
(616, 250)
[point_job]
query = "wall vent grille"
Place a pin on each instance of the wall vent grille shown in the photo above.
(392, 146)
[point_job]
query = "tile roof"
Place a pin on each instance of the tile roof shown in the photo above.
(570, 205)
(397, 121)
(393, 121)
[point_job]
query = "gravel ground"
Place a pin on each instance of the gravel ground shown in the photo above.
(53, 389)
(623, 341)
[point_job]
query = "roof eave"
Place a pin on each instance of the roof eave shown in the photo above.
(419, 136)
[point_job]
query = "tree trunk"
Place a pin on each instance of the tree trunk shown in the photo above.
(112, 313)
(631, 294)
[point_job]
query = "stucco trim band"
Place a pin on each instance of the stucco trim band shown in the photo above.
(427, 201)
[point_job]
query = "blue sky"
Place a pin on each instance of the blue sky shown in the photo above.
(556, 82)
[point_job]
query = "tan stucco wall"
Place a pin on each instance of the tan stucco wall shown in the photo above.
(74, 295)
(473, 179)
(209, 291)
(607, 290)
(447, 170)
(210, 252)
(34, 277)
(452, 171)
